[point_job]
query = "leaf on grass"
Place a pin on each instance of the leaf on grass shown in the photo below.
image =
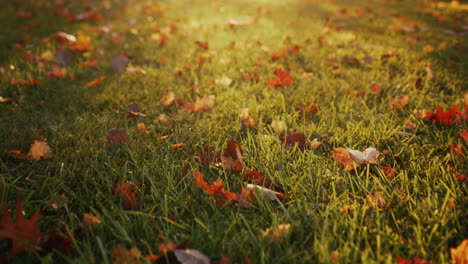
(82, 43)
(178, 145)
(247, 120)
(5, 100)
(64, 37)
(464, 135)
(368, 156)
(294, 139)
(309, 109)
(207, 156)
(95, 82)
(119, 62)
(117, 137)
(399, 102)
(39, 150)
(278, 233)
(203, 45)
(222, 196)
(459, 255)
(344, 158)
(204, 103)
(24, 233)
(232, 158)
(128, 192)
(400, 260)
(278, 126)
(121, 255)
(283, 79)
(224, 81)
(389, 171)
(91, 220)
(257, 178)
(191, 256)
(267, 193)
(440, 116)
(168, 99)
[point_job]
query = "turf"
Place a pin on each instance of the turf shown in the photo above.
(425, 213)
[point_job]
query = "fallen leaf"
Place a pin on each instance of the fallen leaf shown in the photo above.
(204, 103)
(376, 200)
(168, 99)
(82, 43)
(440, 116)
(247, 120)
(399, 102)
(24, 233)
(121, 255)
(39, 150)
(232, 158)
(459, 255)
(294, 139)
(203, 45)
(91, 220)
(375, 89)
(117, 137)
(222, 196)
(368, 156)
(267, 193)
(224, 81)
(343, 157)
(278, 126)
(389, 171)
(283, 79)
(95, 82)
(5, 100)
(178, 145)
(191, 256)
(128, 192)
(464, 135)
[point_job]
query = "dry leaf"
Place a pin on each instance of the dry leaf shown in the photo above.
(91, 220)
(95, 82)
(376, 200)
(191, 256)
(24, 233)
(278, 126)
(459, 254)
(368, 156)
(399, 102)
(121, 255)
(39, 150)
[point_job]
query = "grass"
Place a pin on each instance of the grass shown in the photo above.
(418, 219)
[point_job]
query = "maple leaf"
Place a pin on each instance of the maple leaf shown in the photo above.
(464, 135)
(459, 254)
(232, 158)
(440, 116)
(368, 156)
(24, 233)
(128, 192)
(344, 158)
(283, 78)
(216, 189)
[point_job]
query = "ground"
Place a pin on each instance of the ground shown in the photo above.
(119, 116)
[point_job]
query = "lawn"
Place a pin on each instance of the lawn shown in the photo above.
(190, 131)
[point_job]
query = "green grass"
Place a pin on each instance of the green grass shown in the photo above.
(416, 221)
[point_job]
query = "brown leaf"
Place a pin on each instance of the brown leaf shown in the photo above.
(168, 99)
(294, 139)
(344, 158)
(399, 102)
(178, 145)
(277, 233)
(117, 137)
(121, 255)
(24, 233)
(58, 201)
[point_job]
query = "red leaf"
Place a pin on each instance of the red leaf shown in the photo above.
(389, 171)
(464, 135)
(232, 158)
(24, 233)
(283, 79)
(222, 196)
(128, 192)
(440, 116)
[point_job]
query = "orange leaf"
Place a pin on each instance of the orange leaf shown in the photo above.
(24, 233)
(17, 154)
(91, 220)
(95, 82)
(459, 254)
(178, 145)
(464, 135)
(399, 102)
(344, 158)
(128, 192)
(39, 150)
